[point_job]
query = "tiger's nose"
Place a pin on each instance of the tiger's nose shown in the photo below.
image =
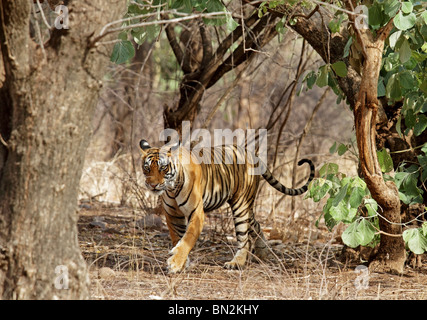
(153, 185)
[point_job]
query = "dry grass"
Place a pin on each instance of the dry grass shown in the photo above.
(307, 270)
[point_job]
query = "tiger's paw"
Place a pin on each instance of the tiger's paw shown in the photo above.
(178, 261)
(238, 261)
(175, 264)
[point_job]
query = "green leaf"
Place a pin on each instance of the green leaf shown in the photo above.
(183, 6)
(407, 7)
(406, 182)
(424, 228)
(424, 16)
(340, 196)
(423, 86)
(372, 207)
(422, 159)
(340, 68)
(391, 61)
(386, 163)
(311, 78)
(280, 27)
(394, 38)
(329, 221)
(366, 231)
(420, 125)
(381, 87)
(334, 25)
(375, 15)
(333, 148)
(214, 6)
(391, 7)
(357, 182)
(415, 240)
(342, 149)
(393, 90)
(328, 168)
(356, 197)
(342, 212)
(402, 22)
(122, 52)
(230, 23)
(405, 51)
(407, 80)
(352, 236)
(347, 47)
(410, 118)
(319, 188)
(322, 80)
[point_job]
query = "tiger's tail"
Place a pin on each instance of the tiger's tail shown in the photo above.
(289, 191)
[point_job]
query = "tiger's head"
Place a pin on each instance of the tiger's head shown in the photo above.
(158, 167)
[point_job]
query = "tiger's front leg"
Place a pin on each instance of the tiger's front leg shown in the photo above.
(182, 248)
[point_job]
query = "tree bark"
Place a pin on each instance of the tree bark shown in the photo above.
(48, 98)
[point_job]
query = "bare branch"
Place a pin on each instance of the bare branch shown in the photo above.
(308, 16)
(179, 54)
(185, 17)
(253, 41)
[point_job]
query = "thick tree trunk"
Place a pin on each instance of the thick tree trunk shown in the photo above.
(391, 254)
(48, 97)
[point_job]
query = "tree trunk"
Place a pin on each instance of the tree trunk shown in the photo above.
(48, 97)
(391, 254)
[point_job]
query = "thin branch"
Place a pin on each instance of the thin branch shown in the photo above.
(351, 13)
(272, 122)
(37, 27)
(42, 14)
(290, 100)
(105, 32)
(356, 30)
(225, 95)
(3, 142)
(308, 16)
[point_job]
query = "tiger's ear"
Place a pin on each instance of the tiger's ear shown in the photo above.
(143, 144)
(175, 146)
(170, 147)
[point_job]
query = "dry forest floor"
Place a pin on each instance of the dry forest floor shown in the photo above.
(127, 251)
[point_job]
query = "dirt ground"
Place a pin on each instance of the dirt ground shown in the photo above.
(126, 252)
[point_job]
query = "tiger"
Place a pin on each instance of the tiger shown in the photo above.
(189, 187)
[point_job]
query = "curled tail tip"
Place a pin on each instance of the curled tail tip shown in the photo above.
(302, 161)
